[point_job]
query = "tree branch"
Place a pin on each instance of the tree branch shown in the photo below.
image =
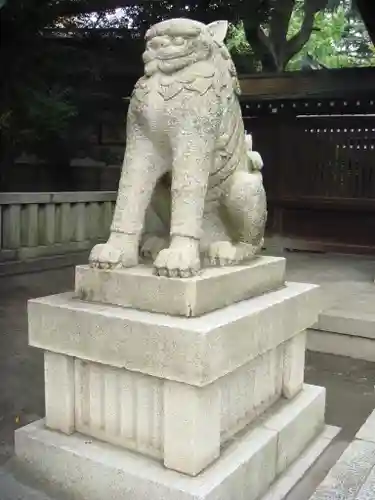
(261, 45)
(295, 44)
(280, 20)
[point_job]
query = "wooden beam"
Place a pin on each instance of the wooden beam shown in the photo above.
(337, 83)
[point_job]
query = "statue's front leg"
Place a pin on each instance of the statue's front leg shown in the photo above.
(191, 166)
(141, 170)
(157, 222)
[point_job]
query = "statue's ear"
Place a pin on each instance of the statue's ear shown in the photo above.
(218, 30)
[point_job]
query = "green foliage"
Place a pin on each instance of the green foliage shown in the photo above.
(337, 41)
(236, 41)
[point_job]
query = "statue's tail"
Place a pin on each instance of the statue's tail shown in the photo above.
(255, 161)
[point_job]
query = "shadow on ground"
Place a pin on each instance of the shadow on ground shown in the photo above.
(21, 367)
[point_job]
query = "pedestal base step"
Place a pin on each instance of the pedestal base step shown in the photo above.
(92, 470)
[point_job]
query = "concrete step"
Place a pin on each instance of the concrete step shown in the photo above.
(353, 476)
(346, 326)
(354, 315)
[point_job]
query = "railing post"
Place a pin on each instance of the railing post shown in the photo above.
(35, 225)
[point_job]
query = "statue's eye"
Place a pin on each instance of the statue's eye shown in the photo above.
(179, 40)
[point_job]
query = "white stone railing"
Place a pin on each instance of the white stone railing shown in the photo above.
(36, 225)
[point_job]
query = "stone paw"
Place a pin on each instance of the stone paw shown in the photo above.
(108, 256)
(177, 263)
(152, 246)
(105, 256)
(222, 253)
(247, 251)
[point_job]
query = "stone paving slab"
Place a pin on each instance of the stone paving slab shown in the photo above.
(346, 478)
(367, 492)
(353, 476)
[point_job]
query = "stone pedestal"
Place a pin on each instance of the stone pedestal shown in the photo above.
(201, 399)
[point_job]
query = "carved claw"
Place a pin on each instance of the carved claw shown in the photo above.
(177, 263)
(107, 256)
(222, 253)
(104, 256)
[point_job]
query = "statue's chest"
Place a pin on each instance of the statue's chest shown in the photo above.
(159, 103)
(148, 99)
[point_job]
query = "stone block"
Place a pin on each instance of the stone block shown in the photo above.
(285, 483)
(151, 415)
(250, 390)
(346, 322)
(59, 392)
(213, 289)
(297, 424)
(196, 351)
(191, 426)
(120, 407)
(97, 470)
(341, 345)
(294, 365)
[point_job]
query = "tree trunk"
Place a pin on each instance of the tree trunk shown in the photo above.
(274, 51)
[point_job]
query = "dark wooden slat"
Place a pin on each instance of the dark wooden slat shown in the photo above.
(336, 204)
(335, 83)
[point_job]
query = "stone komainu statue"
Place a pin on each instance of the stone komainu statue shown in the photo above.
(184, 119)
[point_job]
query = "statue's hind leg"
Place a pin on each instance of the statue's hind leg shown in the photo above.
(246, 208)
(214, 233)
(141, 169)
